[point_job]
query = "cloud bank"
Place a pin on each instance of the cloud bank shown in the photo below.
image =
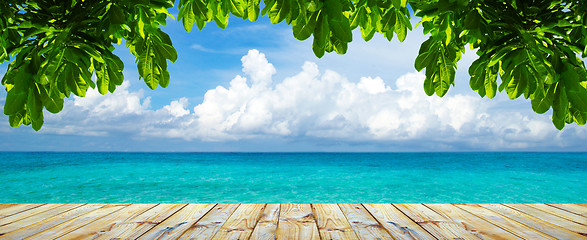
(313, 105)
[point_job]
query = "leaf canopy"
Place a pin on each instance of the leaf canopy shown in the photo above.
(529, 48)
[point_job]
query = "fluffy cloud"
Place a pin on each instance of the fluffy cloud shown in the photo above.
(312, 104)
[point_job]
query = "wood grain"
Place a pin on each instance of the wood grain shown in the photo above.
(397, 224)
(438, 225)
(33, 219)
(206, 227)
(560, 213)
(532, 222)
(293, 221)
(48, 223)
(504, 222)
(105, 224)
(572, 208)
(241, 223)
(296, 221)
(17, 208)
(363, 223)
(267, 224)
(552, 219)
(175, 225)
(142, 223)
(471, 223)
(331, 222)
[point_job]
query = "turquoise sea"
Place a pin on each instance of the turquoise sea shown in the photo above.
(293, 177)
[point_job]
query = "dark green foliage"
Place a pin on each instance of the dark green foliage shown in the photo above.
(526, 48)
(531, 46)
(59, 45)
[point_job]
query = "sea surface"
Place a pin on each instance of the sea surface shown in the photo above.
(293, 177)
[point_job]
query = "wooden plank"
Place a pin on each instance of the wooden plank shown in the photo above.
(58, 230)
(142, 223)
(22, 215)
(572, 208)
(365, 226)
(14, 209)
(396, 223)
(267, 224)
(332, 224)
(107, 223)
(471, 223)
(206, 227)
(436, 224)
(296, 221)
(560, 213)
(552, 219)
(530, 221)
(50, 222)
(241, 223)
(174, 226)
(503, 222)
(4, 205)
(33, 219)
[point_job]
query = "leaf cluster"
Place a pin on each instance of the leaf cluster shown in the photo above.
(330, 22)
(530, 48)
(533, 47)
(59, 45)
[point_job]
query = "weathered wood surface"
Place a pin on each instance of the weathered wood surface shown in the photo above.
(293, 221)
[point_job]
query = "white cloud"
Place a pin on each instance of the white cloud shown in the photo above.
(311, 104)
(177, 108)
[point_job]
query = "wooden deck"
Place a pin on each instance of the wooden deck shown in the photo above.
(293, 221)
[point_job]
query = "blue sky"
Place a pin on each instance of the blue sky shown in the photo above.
(253, 87)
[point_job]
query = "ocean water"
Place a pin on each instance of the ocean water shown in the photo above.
(293, 177)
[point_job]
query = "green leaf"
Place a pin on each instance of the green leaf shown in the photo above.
(16, 119)
(559, 123)
(357, 17)
(490, 84)
(103, 80)
(114, 71)
(426, 55)
(321, 33)
(424, 60)
(401, 28)
(52, 102)
(397, 3)
(500, 54)
(236, 7)
(338, 23)
(279, 11)
(387, 22)
(146, 67)
(91, 52)
(431, 77)
(165, 79)
(199, 10)
(167, 51)
(579, 117)
(16, 96)
(445, 74)
(302, 30)
(34, 107)
(518, 83)
(560, 103)
(76, 84)
(541, 103)
(186, 14)
(339, 46)
(367, 33)
(253, 9)
(142, 17)
(116, 15)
